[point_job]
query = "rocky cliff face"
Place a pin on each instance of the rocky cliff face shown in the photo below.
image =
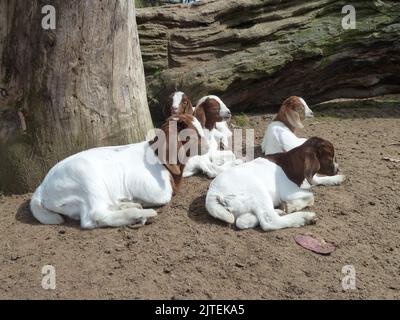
(254, 53)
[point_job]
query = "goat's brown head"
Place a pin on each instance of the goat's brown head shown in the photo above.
(177, 103)
(293, 112)
(316, 155)
(320, 155)
(180, 138)
(210, 110)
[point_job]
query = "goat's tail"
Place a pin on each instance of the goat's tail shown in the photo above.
(215, 205)
(43, 215)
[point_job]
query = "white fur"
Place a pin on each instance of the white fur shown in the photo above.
(176, 100)
(196, 123)
(308, 111)
(279, 138)
(222, 133)
(248, 194)
(213, 162)
(106, 186)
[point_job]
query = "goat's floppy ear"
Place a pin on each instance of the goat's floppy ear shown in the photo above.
(293, 118)
(189, 107)
(311, 166)
(171, 141)
(200, 114)
(174, 169)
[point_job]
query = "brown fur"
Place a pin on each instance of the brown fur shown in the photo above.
(208, 113)
(184, 121)
(316, 155)
(291, 113)
(185, 106)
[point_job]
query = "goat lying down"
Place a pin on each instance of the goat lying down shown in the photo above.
(209, 111)
(249, 193)
(221, 133)
(279, 135)
(179, 103)
(109, 186)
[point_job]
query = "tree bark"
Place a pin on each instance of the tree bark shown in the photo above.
(255, 53)
(79, 86)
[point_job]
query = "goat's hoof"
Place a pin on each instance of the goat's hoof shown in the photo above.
(310, 218)
(145, 221)
(149, 213)
(340, 179)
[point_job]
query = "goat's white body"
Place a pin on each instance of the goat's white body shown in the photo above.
(279, 138)
(213, 162)
(104, 186)
(222, 133)
(247, 194)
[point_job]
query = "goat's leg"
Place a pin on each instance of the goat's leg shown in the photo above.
(220, 157)
(270, 219)
(297, 201)
(192, 166)
(210, 169)
(246, 221)
(305, 185)
(200, 164)
(127, 205)
(328, 180)
(101, 216)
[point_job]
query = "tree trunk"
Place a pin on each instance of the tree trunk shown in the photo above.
(255, 53)
(79, 86)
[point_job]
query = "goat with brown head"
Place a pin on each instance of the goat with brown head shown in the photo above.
(177, 103)
(210, 110)
(183, 138)
(316, 155)
(293, 112)
(248, 194)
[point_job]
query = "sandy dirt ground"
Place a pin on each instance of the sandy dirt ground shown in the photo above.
(186, 254)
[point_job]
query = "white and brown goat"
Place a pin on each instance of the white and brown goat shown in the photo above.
(280, 134)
